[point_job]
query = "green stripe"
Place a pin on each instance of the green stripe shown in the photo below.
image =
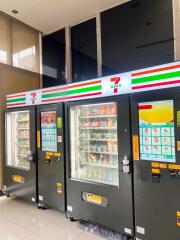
(156, 77)
(72, 92)
(16, 100)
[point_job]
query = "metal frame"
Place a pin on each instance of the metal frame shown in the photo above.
(99, 44)
(68, 55)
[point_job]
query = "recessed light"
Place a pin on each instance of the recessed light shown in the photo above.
(15, 11)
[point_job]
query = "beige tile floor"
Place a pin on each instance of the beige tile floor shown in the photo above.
(23, 221)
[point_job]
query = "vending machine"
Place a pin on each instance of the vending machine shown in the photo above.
(20, 167)
(156, 153)
(99, 166)
(51, 167)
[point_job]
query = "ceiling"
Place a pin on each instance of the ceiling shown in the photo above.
(51, 15)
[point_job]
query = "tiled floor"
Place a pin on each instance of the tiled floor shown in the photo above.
(23, 221)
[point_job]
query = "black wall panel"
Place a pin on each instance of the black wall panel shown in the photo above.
(53, 47)
(137, 34)
(84, 51)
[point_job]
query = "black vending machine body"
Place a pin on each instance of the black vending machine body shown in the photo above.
(99, 166)
(50, 144)
(20, 165)
(156, 150)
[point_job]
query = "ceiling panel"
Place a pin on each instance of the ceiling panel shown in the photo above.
(48, 16)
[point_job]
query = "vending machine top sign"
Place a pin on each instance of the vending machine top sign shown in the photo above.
(163, 76)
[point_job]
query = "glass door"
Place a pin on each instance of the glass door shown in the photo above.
(18, 139)
(94, 143)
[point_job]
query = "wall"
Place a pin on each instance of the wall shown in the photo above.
(12, 80)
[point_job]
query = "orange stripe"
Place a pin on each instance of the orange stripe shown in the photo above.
(73, 86)
(155, 70)
(15, 96)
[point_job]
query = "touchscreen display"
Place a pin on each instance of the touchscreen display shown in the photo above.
(156, 131)
(49, 131)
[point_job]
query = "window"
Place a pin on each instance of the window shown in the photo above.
(25, 48)
(84, 51)
(54, 59)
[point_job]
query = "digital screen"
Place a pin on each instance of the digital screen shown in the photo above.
(156, 131)
(49, 131)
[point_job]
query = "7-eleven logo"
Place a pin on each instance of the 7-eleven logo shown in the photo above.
(116, 85)
(33, 97)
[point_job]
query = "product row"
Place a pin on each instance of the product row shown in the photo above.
(99, 159)
(99, 109)
(97, 123)
(110, 147)
(98, 136)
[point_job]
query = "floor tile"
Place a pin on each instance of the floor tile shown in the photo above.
(20, 220)
(10, 231)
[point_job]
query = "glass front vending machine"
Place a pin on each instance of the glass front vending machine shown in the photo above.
(156, 153)
(99, 173)
(20, 168)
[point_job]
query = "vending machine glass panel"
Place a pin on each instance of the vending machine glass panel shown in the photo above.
(94, 143)
(49, 131)
(18, 139)
(156, 130)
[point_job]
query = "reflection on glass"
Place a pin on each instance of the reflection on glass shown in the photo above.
(25, 48)
(49, 131)
(94, 143)
(53, 47)
(18, 139)
(156, 128)
(25, 58)
(132, 31)
(84, 51)
(5, 41)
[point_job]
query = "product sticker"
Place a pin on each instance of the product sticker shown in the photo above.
(178, 118)
(178, 146)
(136, 147)
(155, 171)
(140, 230)
(40, 198)
(59, 187)
(69, 208)
(49, 154)
(59, 122)
(58, 154)
(178, 218)
(127, 230)
(18, 179)
(59, 139)
(174, 167)
(155, 165)
(38, 139)
(33, 199)
(163, 165)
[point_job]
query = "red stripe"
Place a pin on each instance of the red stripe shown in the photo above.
(73, 86)
(16, 96)
(156, 85)
(72, 97)
(155, 70)
(143, 107)
(15, 104)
